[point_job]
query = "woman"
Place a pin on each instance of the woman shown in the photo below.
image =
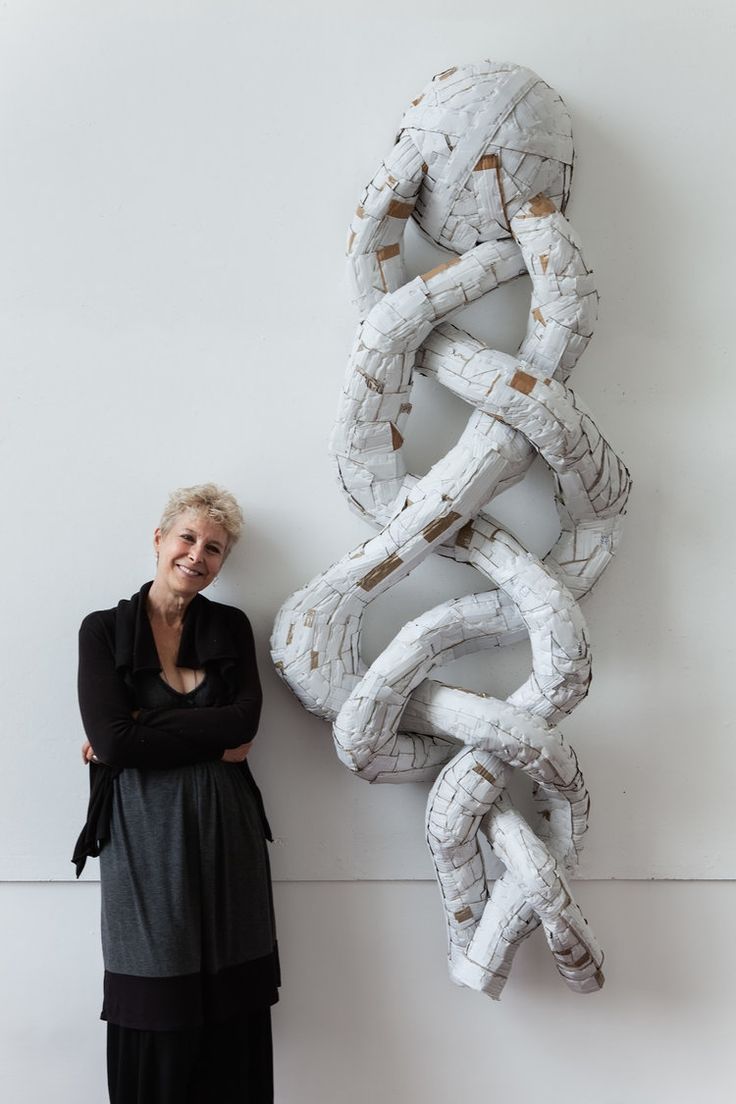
(170, 700)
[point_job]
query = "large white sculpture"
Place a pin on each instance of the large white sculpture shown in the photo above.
(483, 162)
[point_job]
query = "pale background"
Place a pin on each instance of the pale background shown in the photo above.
(176, 181)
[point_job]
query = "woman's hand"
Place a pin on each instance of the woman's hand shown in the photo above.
(88, 754)
(232, 755)
(238, 754)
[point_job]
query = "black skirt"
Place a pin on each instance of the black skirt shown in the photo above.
(229, 1063)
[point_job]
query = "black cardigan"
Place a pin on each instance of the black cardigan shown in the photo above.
(114, 645)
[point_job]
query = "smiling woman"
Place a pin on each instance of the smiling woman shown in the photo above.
(170, 700)
(188, 558)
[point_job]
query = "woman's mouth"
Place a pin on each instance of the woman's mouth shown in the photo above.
(189, 571)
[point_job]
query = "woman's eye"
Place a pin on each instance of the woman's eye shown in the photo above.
(214, 548)
(187, 537)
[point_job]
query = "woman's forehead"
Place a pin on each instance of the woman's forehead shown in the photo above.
(198, 522)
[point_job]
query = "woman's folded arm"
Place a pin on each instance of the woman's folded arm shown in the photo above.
(119, 739)
(233, 724)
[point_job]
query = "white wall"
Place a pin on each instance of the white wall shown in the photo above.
(176, 182)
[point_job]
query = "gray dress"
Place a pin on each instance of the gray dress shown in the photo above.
(187, 918)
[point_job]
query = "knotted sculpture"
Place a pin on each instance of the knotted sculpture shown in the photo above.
(483, 163)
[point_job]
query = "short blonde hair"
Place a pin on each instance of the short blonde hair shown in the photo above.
(214, 502)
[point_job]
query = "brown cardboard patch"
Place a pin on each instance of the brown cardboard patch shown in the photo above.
(439, 525)
(380, 572)
(544, 261)
(396, 439)
(371, 382)
(314, 661)
(387, 251)
(523, 382)
(399, 210)
(463, 915)
(485, 774)
(487, 161)
(541, 205)
(440, 268)
(464, 535)
(536, 313)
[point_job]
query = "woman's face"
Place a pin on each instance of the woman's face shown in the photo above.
(190, 553)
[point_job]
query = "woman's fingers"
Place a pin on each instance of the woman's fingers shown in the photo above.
(236, 755)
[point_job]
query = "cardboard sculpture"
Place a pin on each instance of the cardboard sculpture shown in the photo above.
(483, 163)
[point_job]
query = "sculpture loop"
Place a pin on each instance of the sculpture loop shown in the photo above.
(483, 163)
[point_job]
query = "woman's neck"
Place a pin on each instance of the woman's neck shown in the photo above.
(167, 606)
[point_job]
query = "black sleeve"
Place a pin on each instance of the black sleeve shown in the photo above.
(158, 738)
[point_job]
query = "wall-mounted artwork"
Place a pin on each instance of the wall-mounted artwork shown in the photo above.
(483, 164)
